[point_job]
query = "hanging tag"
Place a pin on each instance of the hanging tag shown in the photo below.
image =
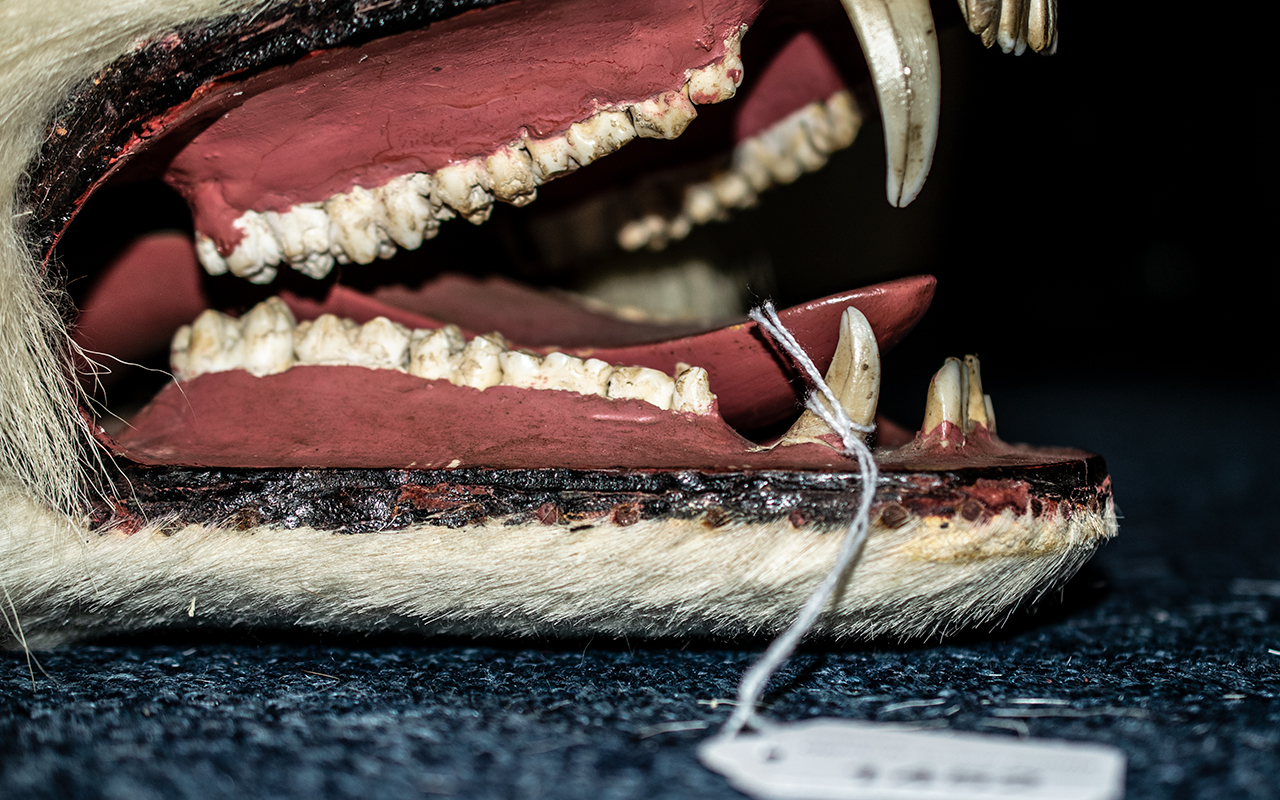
(827, 759)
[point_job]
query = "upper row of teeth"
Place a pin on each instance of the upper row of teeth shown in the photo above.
(268, 340)
(799, 143)
(363, 224)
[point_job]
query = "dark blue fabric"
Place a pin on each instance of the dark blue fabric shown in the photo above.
(1167, 645)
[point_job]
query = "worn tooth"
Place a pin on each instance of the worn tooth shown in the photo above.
(990, 412)
(326, 340)
(478, 363)
(178, 347)
(981, 16)
(267, 331)
(901, 47)
(854, 378)
(521, 369)
(215, 344)
(718, 81)
(945, 403)
(599, 136)
(569, 373)
(353, 230)
(404, 206)
(433, 354)
(256, 256)
(210, 258)
(551, 157)
(464, 187)
(303, 233)
(510, 171)
(663, 116)
(380, 344)
(692, 393)
(1042, 25)
(1011, 32)
(975, 405)
(641, 383)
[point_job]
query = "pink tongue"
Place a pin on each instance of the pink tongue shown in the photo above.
(355, 417)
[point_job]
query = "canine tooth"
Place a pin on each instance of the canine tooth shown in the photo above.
(215, 344)
(267, 331)
(551, 157)
(326, 340)
(511, 172)
(854, 378)
(946, 397)
(901, 46)
(478, 364)
(975, 405)
(210, 258)
(353, 229)
(718, 81)
(433, 353)
(641, 383)
(405, 209)
(464, 187)
(692, 393)
(256, 256)
(380, 344)
(599, 136)
(663, 116)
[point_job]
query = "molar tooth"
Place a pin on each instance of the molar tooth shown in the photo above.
(551, 157)
(327, 340)
(701, 203)
(733, 190)
(465, 188)
(178, 346)
(854, 378)
(256, 256)
(380, 344)
(520, 369)
(303, 233)
(405, 209)
(599, 136)
(478, 364)
(692, 393)
(569, 373)
(267, 330)
(433, 353)
(511, 172)
(718, 81)
(975, 404)
(210, 258)
(641, 383)
(901, 47)
(844, 117)
(353, 230)
(945, 403)
(214, 345)
(663, 116)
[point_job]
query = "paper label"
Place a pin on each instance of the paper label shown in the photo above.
(846, 760)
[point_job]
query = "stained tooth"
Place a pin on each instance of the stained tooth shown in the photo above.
(520, 369)
(178, 347)
(975, 405)
(1011, 33)
(405, 209)
(464, 187)
(663, 116)
(326, 340)
(568, 373)
(1042, 25)
(845, 119)
(353, 229)
(692, 393)
(215, 344)
(641, 383)
(432, 354)
(478, 364)
(946, 398)
(380, 344)
(511, 172)
(551, 157)
(718, 81)
(991, 414)
(256, 256)
(981, 16)
(210, 258)
(303, 234)
(854, 378)
(599, 136)
(901, 48)
(267, 331)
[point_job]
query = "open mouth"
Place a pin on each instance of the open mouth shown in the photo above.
(338, 365)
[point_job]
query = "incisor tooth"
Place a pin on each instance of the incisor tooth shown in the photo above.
(692, 392)
(464, 187)
(663, 116)
(433, 353)
(511, 174)
(1042, 26)
(478, 364)
(946, 400)
(854, 378)
(641, 383)
(267, 330)
(1011, 32)
(599, 136)
(901, 47)
(718, 81)
(214, 345)
(353, 229)
(256, 256)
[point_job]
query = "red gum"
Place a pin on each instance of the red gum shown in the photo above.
(362, 116)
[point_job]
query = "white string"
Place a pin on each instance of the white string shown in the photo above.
(831, 412)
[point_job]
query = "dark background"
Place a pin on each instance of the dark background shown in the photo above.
(1094, 220)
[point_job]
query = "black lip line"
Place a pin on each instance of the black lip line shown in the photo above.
(109, 113)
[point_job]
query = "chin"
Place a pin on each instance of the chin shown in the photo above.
(367, 317)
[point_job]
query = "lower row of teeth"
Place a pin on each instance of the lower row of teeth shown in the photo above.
(268, 340)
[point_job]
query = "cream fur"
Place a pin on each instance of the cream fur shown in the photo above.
(59, 582)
